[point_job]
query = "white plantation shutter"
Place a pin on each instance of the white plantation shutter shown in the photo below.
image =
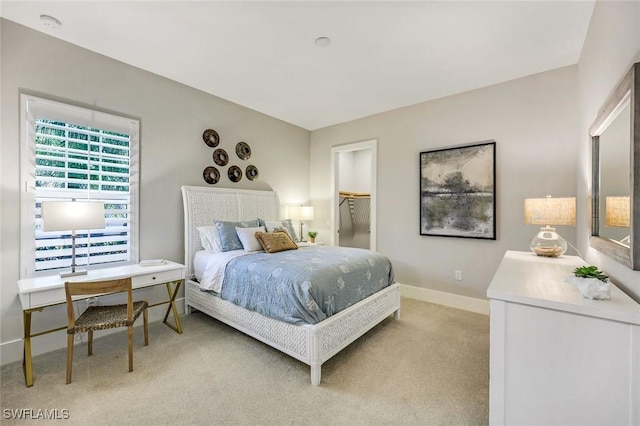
(76, 153)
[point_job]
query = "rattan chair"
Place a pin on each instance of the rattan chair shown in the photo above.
(103, 317)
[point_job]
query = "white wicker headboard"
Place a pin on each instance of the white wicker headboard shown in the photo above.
(203, 205)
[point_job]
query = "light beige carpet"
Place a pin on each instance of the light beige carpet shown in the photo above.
(429, 368)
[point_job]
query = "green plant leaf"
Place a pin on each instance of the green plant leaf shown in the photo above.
(590, 272)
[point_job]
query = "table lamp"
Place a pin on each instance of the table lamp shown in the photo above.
(301, 213)
(618, 214)
(72, 216)
(549, 212)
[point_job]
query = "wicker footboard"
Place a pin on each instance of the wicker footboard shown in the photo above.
(311, 344)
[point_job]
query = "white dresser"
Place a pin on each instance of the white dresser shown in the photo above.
(556, 357)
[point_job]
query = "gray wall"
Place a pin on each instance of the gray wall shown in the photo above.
(173, 118)
(534, 122)
(611, 47)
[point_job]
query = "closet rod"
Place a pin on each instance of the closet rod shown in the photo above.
(347, 194)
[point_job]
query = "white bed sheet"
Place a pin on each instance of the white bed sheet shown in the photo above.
(209, 267)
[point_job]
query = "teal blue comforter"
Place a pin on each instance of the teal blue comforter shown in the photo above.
(307, 285)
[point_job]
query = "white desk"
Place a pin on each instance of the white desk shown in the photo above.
(557, 358)
(36, 294)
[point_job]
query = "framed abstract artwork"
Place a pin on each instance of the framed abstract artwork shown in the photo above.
(458, 191)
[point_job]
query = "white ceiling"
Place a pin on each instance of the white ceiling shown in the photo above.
(383, 55)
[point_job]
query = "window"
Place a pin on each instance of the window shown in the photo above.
(73, 153)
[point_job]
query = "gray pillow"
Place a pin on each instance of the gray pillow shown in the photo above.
(227, 235)
(274, 225)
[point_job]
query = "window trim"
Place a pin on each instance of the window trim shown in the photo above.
(30, 106)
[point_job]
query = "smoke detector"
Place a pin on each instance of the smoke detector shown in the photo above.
(323, 41)
(50, 22)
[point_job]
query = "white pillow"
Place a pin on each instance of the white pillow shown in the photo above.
(209, 238)
(248, 238)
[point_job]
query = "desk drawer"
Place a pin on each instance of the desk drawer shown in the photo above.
(156, 278)
(46, 297)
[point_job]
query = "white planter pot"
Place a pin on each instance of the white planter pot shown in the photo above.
(591, 288)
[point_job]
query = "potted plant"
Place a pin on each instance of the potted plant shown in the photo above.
(312, 236)
(592, 283)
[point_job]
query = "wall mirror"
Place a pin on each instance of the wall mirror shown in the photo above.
(615, 138)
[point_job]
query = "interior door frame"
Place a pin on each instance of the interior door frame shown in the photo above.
(371, 145)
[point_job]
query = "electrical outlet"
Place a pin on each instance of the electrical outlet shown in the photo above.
(458, 275)
(92, 301)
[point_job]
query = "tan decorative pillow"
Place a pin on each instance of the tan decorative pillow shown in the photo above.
(273, 242)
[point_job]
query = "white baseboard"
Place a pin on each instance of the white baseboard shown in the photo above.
(471, 304)
(12, 351)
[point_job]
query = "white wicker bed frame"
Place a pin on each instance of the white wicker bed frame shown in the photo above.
(311, 344)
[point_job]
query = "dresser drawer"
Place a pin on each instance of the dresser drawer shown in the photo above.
(155, 278)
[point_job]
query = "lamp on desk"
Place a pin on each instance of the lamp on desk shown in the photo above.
(549, 212)
(618, 215)
(71, 216)
(301, 213)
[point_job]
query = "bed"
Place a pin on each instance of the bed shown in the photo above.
(313, 344)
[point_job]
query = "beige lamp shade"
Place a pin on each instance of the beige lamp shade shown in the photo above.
(550, 211)
(72, 215)
(618, 211)
(302, 213)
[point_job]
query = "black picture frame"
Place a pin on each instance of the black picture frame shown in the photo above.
(458, 191)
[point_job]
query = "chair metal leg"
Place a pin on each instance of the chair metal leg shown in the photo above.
(130, 334)
(69, 356)
(90, 343)
(145, 317)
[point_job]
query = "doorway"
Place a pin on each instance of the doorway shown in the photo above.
(353, 199)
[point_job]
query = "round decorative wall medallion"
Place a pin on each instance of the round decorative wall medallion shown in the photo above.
(243, 150)
(252, 172)
(211, 138)
(234, 173)
(211, 175)
(220, 157)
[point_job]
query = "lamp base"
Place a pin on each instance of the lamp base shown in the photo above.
(72, 274)
(548, 243)
(301, 237)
